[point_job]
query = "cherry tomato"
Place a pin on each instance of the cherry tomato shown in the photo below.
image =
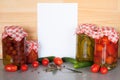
(35, 64)
(115, 60)
(99, 47)
(97, 41)
(111, 50)
(97, 60)
(95, 68)
(109, 60)
(45, 61)
(24, 67)
(103, 70)
(10, 68)
(58, 61)
(105, 40)
(98, 54)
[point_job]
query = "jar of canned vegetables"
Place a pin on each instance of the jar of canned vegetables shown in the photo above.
(85, 42)
(106, 48)
(32, 51)
(13, 45)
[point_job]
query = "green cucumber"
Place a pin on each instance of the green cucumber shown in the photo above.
(70, 60)
(50, 58)
(82, 64)
(77, 64)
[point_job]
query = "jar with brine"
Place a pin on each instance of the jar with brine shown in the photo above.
(13, 45)
(31, 51)
(85, 42)
(106, 48)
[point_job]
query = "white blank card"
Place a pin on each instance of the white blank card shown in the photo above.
(56, 29)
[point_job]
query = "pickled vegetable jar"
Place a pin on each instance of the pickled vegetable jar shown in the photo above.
(85, 48)
(85, 42)
(13, 45)
(106, 48)
(32, 51)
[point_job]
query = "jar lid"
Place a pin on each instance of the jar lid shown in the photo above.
(110, 32)
(31, 45)
(89, 29)
(16, 32)
(96, 32)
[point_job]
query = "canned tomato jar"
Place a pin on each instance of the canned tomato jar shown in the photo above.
(32, 51)
(85, 42)
(13, 45)
(106, 48)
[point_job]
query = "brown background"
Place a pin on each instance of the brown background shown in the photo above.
(24, 13)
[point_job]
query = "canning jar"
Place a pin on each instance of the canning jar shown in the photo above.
(32, 51)
(106, 48)
(85, 48)
(13, 45)
(85, 42)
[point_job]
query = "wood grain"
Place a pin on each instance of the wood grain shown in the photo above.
(24, 13)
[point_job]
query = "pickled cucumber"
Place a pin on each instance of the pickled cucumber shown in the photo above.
(85, 48)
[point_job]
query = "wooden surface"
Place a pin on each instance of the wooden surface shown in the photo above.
(24, 13)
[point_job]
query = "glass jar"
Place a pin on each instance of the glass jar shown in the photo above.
(85, 48)
(13, 51)
(31, 51)
(13, 45)
(32, 56)
(106, 52)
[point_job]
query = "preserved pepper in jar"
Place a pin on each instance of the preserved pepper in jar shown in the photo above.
(13, 45)
(85, 42)
(32, 51)
(106, 48)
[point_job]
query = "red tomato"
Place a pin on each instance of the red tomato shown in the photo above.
(99, 47)
(97, 41)
(24, 67)
(35, 64)
(115, 60)
(109, 60)
(115, 45)
(111, 50)
(103, 70)
(97, 60)
(105, 40)
(45, 61)
(95, 68)
(58, 61)
(10, 68)
(98, 54)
